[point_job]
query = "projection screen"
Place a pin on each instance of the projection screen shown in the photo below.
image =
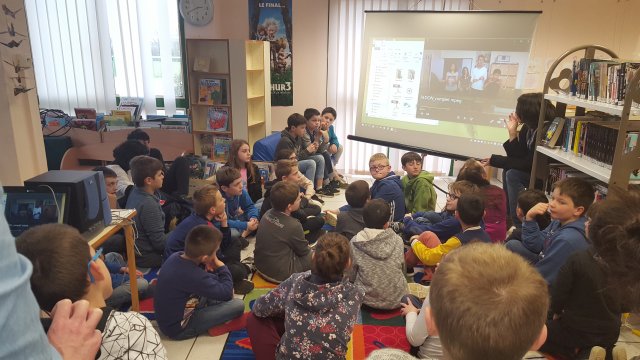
(442, 81)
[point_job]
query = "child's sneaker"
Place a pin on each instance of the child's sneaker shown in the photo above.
(316, 198)
(619, 352)
(243, 287)
(397, 227)
(598, 353)
(325, 192)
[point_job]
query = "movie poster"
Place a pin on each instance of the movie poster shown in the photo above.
(270, 20)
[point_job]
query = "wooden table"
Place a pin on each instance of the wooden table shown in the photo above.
(122, 219)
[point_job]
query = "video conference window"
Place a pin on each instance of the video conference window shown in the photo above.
(25, 210)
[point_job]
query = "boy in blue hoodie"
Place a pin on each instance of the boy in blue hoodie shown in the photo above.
(242, 214)
(550, 248)
(387, 185)
(209, 209)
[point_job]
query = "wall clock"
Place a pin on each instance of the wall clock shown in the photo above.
(197, 12)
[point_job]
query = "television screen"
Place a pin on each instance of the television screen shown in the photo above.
(27, 208)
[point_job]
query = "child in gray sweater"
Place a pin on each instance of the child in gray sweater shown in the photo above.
(378, 254)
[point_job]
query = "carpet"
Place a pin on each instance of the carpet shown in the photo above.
(374, 329)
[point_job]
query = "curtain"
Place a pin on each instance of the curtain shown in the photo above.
(346, 24)
(88, 52)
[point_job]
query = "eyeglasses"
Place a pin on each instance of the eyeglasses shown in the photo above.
(378, 168)
(452, 196)
(94, 258)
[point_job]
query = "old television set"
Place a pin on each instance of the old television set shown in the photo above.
(24, 208)
(86, 195)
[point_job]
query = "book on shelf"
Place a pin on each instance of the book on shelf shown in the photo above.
(85, 113)
(603, 80)
(212, 92)
(552, 135)
(133, 105)
(206, 145)
(183, 128)
(221, 147)
(217, 118)
(128, 114)
(201, 63)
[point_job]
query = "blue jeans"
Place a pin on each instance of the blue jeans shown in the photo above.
(210, 313)
(513, 182)
(121, 285)
(428, 218)
(319, 160)
(518, 247)
(308, 168)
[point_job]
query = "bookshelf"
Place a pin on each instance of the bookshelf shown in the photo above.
(624, 161)
(230, 93)
(253, 115)
(210, 85)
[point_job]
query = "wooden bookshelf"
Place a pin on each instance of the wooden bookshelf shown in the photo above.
(619, 173)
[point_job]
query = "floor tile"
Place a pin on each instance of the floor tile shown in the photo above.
(207, 347)
(177, 350)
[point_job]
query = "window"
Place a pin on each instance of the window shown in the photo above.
(88, 53)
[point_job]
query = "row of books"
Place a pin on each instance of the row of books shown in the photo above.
(559, 172)
(603, 80)
(593, 137)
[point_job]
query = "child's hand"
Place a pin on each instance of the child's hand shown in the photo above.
(538, 209)
(512, 125)
(213, 263)
(408, 215)
(222, 218)
(407, 308)
(336, 212)
(125, 270)
(312, 147)
(252, 224)
(239, 212)
(333, 149)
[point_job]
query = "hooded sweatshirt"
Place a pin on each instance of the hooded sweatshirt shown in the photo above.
(287, 141)
(389, 189)
(318, 317)
(419, 194)
(554, 244)
(379, 265)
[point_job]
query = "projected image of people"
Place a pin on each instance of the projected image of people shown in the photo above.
(23, 210)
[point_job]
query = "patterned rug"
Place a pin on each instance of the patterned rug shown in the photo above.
(374, 329)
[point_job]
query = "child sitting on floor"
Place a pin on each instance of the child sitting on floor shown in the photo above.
(147, 174)
(311, 314)
(281, 248)
(305, 184)
(417, 185)
(195, 289)
(495, 200)
(241, 213)
(443, 224)
(350, 221)
(307, 213)
(487, 303)
(209, 209)
(240, 158)
(378, 258)
(387, 185)
(66, 267)
(427, 248)
(548, 249)
(526, 200)
(586, 308)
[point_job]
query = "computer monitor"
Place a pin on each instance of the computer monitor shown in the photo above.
(25, 208)
(89, 210)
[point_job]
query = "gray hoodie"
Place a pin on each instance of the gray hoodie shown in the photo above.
(379, 265)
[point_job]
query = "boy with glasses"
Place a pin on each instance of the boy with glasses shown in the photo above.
(443, 224)
(387, 185)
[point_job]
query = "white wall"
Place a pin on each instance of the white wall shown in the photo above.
(310, 29)
(565, 24)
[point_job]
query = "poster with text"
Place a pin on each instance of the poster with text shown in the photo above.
(270, 20)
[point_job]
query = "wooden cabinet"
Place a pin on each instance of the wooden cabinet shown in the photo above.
(230, 93)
